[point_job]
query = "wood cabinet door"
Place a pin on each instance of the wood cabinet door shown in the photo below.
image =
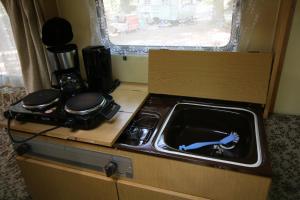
(133, 191)
(47, 181)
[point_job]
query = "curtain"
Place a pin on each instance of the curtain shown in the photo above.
(10, 69)
(26, 19)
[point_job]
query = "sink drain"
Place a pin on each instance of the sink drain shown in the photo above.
(232, 144)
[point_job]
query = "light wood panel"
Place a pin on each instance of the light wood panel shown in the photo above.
(107, 133)
(285, 17)
(48, 182)
(132, 191)
(187, 178)
(134, 86)
(129, 96)
(214, 75)
(198, 180)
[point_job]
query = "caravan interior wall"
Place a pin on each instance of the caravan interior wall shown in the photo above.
(257, 32)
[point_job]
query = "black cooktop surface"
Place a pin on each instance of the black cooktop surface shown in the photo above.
(89, 109)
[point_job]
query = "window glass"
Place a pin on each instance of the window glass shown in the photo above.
(10, 70)
(172, 24)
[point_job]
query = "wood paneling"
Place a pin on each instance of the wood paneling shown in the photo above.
(48, 182)
(187, 178)
(132, 191)
(107, 133)
(198, 180)
(214, 75)
(134, 87)
(130, 96)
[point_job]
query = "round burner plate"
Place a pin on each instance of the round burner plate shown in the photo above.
(41, 99)
(85, 103)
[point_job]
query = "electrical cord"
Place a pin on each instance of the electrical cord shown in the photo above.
(29, 138)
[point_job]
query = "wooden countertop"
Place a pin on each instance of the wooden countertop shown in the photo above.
(130, 96)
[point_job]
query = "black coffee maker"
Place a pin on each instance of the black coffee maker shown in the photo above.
(97, 62)
(63, 57)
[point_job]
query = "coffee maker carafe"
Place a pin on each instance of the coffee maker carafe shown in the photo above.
(63, 57)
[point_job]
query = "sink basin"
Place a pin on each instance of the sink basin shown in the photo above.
(190, 123)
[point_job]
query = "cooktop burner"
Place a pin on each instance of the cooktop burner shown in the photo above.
(85, 103)
(41, 99)
(83, 111)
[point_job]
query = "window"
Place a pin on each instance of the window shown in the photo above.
(10, 70)
(134, 26)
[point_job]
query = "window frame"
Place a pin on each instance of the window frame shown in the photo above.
(102, 33)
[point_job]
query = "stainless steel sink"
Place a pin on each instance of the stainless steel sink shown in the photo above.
(190, 123)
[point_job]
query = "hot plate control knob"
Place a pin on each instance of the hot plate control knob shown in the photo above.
(110, 168)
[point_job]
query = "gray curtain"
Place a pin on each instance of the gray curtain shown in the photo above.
(27, 19)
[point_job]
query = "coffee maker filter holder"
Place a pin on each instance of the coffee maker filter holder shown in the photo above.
(62, 56)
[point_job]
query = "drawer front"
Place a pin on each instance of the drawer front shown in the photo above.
(50, 181)
(132, 191)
